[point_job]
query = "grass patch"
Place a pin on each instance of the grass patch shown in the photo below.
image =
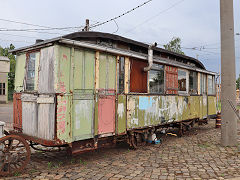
(205, 145)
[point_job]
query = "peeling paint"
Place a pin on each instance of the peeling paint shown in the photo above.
(121, 110)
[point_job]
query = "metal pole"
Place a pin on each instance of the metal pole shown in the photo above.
(228, 75)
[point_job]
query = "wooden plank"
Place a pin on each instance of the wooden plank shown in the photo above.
(46, 72)
(127, 72)
(97, 70)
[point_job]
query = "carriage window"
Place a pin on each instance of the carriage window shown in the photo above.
(30, 71)
(182, 81)
(203, 84)
(156, 79)
(2, 88)
(211, 84)
(121, 75)
(193, 82)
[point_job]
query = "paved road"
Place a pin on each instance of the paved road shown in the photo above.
(6, 112)
(196, 155)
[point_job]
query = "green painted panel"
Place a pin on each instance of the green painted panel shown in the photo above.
(112, 72)
(121, 114)
(212, 107)
(78, 69)
(63, 64)
(145, 111)
(107, 71)
(82, 119)
(20, 71)
(63, 118)
(194, 105)
(89, 69)
(84, 65)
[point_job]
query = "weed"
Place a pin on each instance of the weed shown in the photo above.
(17, 174)
(205, 145)
(50, 165)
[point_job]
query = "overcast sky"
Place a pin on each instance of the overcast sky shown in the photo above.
(196, 22)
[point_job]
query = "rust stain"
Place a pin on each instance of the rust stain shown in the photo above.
(17, 111)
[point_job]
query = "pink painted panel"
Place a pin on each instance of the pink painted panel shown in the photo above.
(106, 114)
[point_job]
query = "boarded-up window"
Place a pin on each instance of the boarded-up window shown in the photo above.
(182, 81)
(30, 75)
(121, 68)
(171, 74)
(211, 84)
(193, 82)
(156, 79)
(138, 78)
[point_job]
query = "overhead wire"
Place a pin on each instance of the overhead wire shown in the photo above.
(152, 17)
(123, 14)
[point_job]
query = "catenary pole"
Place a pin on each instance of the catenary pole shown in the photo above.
(228, 75)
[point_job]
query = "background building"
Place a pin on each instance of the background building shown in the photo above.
(4, 70)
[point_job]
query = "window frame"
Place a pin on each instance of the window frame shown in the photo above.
(187, 82)
(193, 93)
(158, 68)
(26, 70)
(213, 85)
(3, 89)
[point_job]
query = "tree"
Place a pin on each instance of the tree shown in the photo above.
(11, 74)
(174, 45)
(238, 82)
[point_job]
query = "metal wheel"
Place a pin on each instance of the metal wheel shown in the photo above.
(137, 140)
(14, 154)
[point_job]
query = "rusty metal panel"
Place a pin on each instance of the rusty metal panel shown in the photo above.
(46, 116)
(171, 74)
(19, 72)
(63, 117)
(121, 114)
(29, 114)
(17, 111)
(212, 105)
(46, 70)
(138, 78)
(106, 112)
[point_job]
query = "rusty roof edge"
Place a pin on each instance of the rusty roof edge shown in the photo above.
(37, 45)
(131, 54)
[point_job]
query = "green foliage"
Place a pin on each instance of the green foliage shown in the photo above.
(238, 82)
(174, 45)
(11, 75)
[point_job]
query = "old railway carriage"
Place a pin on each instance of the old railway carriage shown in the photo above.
(86, 90)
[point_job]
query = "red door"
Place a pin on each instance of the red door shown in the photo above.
(106, 112)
